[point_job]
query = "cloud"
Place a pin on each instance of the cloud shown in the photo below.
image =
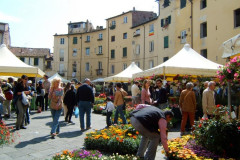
(8, 18)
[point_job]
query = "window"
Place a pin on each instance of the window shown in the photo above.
(136, 33)
(203, 31)
(166, 42)
(74, 52)
(112, 54)
(151, 30)
(237, 18)
(204, 53)
(100, 36)
(62, 41)
(151, 64)
(36, 60)
(112, 69)
(151, 46)
(138, 49)
(61, 55)
(165, 59)
(166, 3)
(124, 35)
(124, 66)
(87, 51)
(74, 67)
(87, 67)
(22, 59)
(166, 21)
(125, 52)
(99, 49)
(88, 39)
(203, 4)
(183, 36)
(99, 65)
(113, 23)
(137, 63)
(61, 68)
(74, 40)
(125, 19)
(84, 25)
(112, 38)
(183, 3)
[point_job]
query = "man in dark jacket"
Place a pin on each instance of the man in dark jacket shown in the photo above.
(161, 95)
(85, 100)
(149, 121)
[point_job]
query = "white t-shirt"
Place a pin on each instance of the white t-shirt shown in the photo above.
(110, 106)
(135, 90)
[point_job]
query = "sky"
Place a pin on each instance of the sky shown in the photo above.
(34, 22)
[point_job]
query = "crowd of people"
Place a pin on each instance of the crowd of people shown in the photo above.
(148, 118)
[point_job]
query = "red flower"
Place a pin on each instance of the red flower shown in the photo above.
(239, 128)
(200, 125)
(218, 105)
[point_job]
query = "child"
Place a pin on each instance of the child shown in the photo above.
(109, 108)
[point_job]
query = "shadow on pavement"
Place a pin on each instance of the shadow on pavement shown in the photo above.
(70, 134)
(33, 141)
(61, 123)
(42, 117)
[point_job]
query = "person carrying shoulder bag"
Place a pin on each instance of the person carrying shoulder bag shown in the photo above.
(119, 102)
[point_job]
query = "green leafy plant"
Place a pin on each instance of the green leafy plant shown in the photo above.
(220, 134)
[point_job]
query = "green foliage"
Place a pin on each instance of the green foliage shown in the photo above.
(220, 134)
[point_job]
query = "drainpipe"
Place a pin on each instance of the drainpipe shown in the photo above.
(81, 60)
(143, 47)
(108, 50)
(191, 23)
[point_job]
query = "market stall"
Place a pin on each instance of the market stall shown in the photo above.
(10, 65)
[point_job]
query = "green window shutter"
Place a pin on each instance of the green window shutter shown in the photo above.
(183, 4)
(162, 22)
(169, 19)
(35, 61)
(166, 42)
(74, 40)
(125, 52)
(112, 54)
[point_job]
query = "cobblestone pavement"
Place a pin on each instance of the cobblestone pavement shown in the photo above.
(35, 141)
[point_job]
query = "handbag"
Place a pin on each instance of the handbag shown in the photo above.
(55, 105)
(25, 100)
(76, 112)
(9, 95)
(124, 103)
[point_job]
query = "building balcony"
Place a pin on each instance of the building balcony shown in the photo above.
(99, 72)
(99, 39)
(48, 67)
(112, 27)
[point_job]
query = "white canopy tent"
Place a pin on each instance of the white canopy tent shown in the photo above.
(231, 47)
(185, 62)
(10, 65)
(125, 75)
(56, 75)
(98, 80)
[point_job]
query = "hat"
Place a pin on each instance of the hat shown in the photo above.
(39, 82)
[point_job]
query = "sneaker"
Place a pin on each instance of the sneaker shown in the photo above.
(89, 128)
(23, 127)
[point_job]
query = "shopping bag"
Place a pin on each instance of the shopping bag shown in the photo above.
(25, 100)
(76, 112)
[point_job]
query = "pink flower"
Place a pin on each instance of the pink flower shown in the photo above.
(236, 75)
(229, 71)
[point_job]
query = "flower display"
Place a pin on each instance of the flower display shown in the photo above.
(90, 155)
(123, 139)
(185, 148)
(6, 137)
(102, 95)
(230, 72)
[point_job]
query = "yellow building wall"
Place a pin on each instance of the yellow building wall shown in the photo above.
(219, 16)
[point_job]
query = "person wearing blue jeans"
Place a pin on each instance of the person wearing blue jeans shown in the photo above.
(85, 100)
(85, 108)
(56, 95)
(119, 101)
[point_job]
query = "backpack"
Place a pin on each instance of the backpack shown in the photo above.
(9, 95)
